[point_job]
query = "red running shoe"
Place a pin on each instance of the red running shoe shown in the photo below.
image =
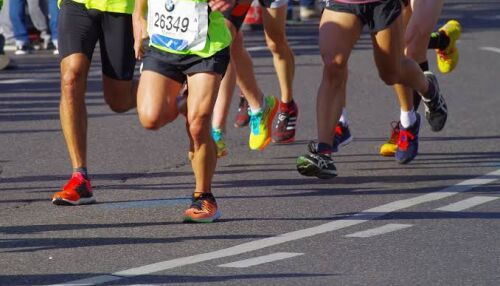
(77, 191)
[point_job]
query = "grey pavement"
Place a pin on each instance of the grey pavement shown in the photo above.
(377, 223)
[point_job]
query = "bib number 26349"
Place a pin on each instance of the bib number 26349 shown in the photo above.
(178, 24)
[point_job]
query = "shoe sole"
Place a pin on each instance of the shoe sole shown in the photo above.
(406, 161)
(64, 202)
(307, 168)
(283, 142)
(343, 144)
(215, 217)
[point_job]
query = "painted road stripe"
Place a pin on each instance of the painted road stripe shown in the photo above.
(490, 49)
(145, 204)
(19, 80)
(466, 204)
(355, 219)
(261, 260)
(379, 230)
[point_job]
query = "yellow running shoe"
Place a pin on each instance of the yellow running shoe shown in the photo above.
(447, 59)
(261, 124)
(388, 149)
(220, 143)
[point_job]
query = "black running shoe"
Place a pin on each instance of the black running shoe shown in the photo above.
(316, 164)
(436, 111)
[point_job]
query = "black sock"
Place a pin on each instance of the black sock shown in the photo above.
(416, 97)
(439, 40)
(81, 170)
(325, 149)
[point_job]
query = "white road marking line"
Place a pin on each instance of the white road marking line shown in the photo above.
(261, 260)
(490, 49)
(391, 227)
(355, 219)
(15, 81)
(91, 281)
(467, 204)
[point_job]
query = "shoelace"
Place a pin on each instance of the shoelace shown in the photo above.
(255, 122)
(403, 141)
(395, 132)
(282, 119)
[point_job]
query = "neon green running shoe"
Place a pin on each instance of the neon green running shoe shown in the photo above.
(218, 137)
(261, 124)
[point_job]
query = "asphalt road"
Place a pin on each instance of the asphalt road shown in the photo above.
(434, 221)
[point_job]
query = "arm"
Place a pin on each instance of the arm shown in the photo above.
(220, 5)
(140, 27)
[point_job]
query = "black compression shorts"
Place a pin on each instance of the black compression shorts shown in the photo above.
(81, 28)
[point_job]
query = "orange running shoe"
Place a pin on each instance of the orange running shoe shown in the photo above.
(77, 191)
(203, 209)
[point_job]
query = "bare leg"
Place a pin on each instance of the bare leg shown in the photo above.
(283, 58)
(335, 54)
(73, 112)
(203, 89)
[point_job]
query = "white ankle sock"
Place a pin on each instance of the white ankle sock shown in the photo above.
(343, 117)
(407, 118)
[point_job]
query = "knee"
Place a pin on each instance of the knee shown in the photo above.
(334, 69)
(71, 80)
(199, 129)
(416, 41)
(152, 120)
(118, 104)
(390, 77)
(277, 45)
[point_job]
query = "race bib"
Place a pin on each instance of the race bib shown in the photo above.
(178, 25)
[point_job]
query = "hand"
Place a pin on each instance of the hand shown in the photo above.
(220, 5)
(140, 33)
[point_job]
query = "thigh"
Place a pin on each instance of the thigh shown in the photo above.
(203, 89)
(338, 33)
(274, 20)
(117, 46)
(388, 47)
(424, 17)
(78, 30)
(156, 97)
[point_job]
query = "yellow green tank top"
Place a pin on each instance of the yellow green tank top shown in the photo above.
(113, 6)
(186, 27)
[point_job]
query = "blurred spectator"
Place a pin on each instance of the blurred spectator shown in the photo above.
(53, 15)
(307, 10)
(5, 24)
(17, 15)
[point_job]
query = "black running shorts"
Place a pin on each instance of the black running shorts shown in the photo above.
(177, 67)
(81, 28)
(377, 16)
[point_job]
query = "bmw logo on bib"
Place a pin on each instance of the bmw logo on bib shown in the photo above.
(169, 6)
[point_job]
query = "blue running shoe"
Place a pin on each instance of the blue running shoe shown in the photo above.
(408, 142)
(342, 136)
